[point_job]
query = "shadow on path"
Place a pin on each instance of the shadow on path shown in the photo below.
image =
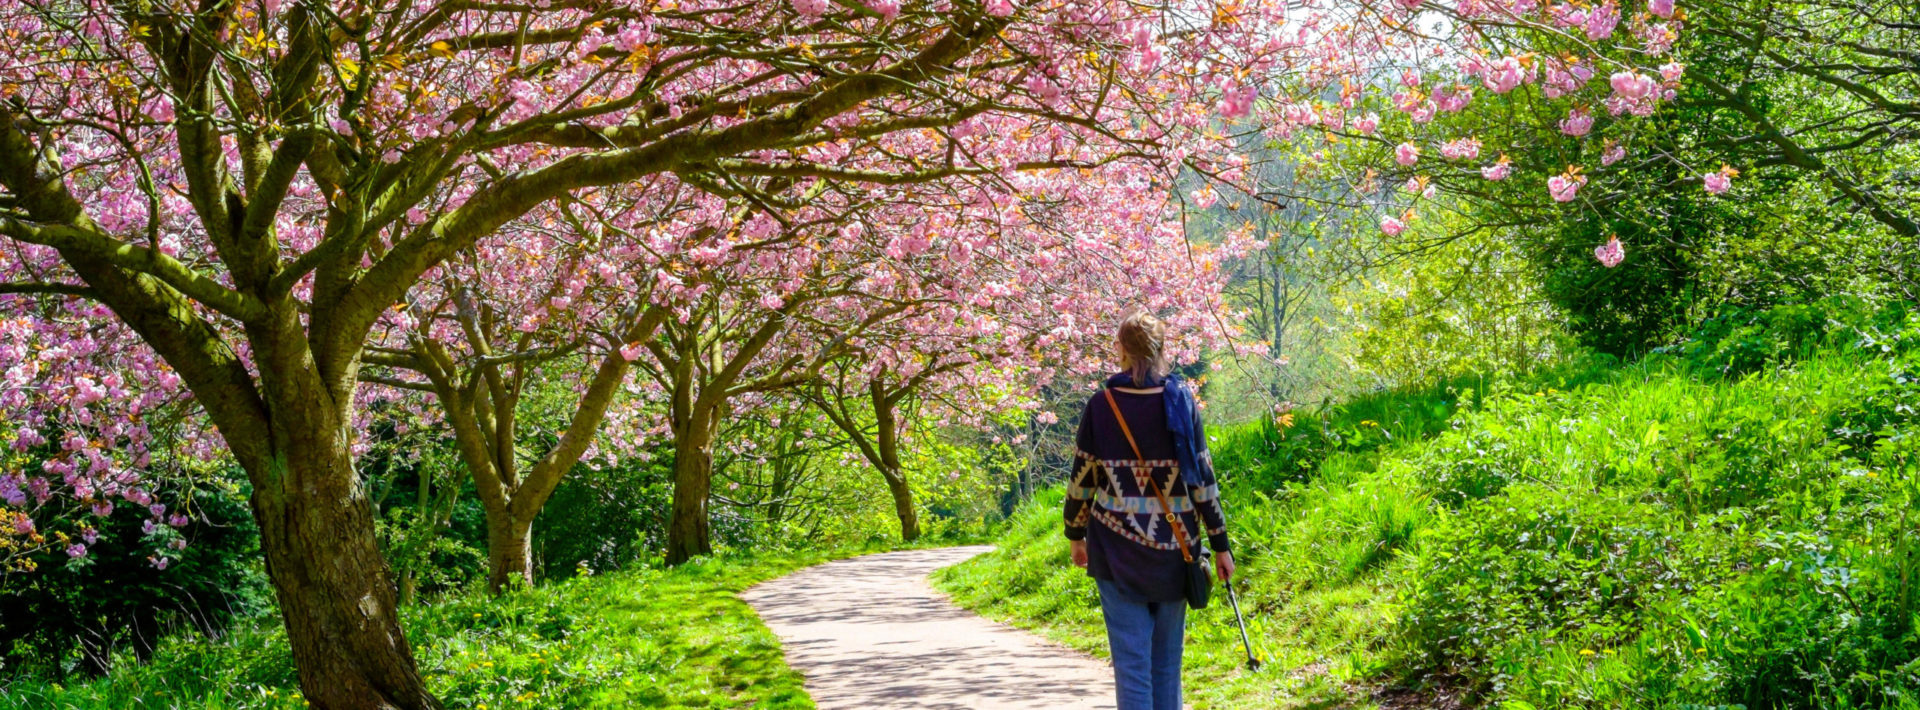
(870, 633)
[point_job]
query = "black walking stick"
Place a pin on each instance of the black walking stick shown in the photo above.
(1253, 664)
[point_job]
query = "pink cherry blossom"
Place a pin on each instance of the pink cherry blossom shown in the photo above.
(633, 36)
(1577, 123)
(160, 109)
(1611, 253)
(1613, 153)
(999, 8)
(1632, 85)
(1406, 154)
(1498, 171)
(1460, 149)
(1237, 102)
(1367, 124)
(1504, 75)
(1392, 226)
(1453, 99)
(1719, 181)
(1660, 8)
(1565, 186)
(1602, 20)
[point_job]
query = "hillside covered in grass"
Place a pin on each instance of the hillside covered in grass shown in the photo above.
(1730, 523)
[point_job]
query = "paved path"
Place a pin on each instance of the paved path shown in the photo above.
(869, 633)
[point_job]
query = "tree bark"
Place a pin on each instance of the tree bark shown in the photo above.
(479, 401)
(903, 505)
(509, 554)
(689, 533)
(333, 585)
(887, 438)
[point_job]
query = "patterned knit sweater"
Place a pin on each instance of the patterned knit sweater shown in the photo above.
(1109, 487)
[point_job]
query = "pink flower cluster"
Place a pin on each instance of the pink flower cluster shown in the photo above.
(1460, 149)
(1566, 186)
(1611, 253)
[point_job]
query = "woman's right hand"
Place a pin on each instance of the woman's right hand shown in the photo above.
(1079, 553)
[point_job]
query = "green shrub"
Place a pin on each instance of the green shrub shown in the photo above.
(65, 622)
(1503, 577)
(1737, 341)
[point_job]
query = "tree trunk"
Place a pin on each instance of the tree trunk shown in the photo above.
(334, 587)
(688, 533)
(509, 552)
(289, 427)
(782, 485)
(903, 505)
(887, 438)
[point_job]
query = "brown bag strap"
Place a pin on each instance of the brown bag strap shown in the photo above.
(1179, 530)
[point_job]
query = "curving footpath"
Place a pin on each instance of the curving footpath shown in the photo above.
(870, 633)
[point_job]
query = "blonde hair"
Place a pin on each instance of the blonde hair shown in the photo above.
(1142, 340)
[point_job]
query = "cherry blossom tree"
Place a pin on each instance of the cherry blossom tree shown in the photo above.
(473, 342)
(1024, 295)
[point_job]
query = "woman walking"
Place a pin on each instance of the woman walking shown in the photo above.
(1141, 452)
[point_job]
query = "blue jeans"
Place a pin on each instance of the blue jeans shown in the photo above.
(1145, 638)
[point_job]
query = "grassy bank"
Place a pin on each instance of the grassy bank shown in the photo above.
(642, 638)
(1729, 526)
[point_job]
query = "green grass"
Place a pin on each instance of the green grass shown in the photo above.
(1658, 535)
(645, 638)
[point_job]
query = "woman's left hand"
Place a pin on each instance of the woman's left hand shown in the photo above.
(1223, 564)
